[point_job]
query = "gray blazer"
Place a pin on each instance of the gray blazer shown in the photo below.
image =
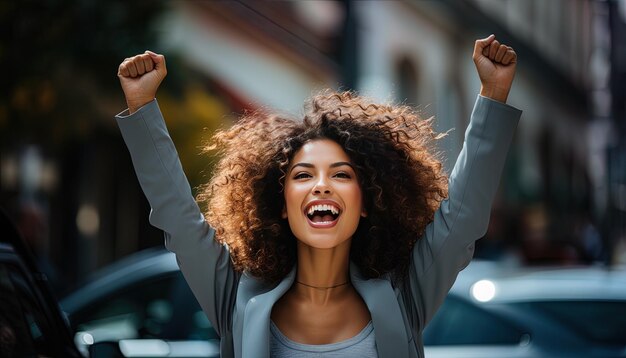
(239, 305)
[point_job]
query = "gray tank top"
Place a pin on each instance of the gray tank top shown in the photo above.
(361, 345)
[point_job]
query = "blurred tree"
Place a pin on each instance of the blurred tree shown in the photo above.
(58, 93)
(59, 60)
(59, 83)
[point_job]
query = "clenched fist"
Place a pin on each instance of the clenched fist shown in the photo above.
(140, 77)
(495, 64)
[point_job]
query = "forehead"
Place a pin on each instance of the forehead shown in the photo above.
(320, 152)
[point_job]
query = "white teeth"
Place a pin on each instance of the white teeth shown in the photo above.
(325, 207)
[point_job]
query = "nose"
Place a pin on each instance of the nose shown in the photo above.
(321, 187)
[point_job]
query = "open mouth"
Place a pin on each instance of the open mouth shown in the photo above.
(323, 215)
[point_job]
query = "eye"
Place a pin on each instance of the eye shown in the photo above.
(343, 175)
(302, 175)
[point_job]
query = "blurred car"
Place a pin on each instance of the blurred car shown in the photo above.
(491, 311)
(33, 325)
(141, 297)
(571, 312)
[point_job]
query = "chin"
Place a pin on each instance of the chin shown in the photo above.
(317, 242)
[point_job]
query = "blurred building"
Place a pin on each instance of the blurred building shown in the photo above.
(563, 193)
(555, 193)
(576, 53)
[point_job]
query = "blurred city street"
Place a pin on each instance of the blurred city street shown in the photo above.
(558, 224)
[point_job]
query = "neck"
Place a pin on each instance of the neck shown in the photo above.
(323, 287)
(322, 274)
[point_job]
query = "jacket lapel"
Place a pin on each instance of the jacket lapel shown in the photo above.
(380, 298)
(256, 325)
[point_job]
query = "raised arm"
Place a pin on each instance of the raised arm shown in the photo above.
(140, 77)
(205, 263)
(495, 64)
(448, 243)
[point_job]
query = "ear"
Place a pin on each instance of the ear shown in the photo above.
(284, 212)
(363, 213)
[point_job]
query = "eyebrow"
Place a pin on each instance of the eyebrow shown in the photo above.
(309, 165)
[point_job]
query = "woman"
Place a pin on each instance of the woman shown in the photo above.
(331, 234)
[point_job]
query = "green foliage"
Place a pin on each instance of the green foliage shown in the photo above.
(59, 84)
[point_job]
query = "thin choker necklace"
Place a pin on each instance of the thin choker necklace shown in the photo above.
(323, 288)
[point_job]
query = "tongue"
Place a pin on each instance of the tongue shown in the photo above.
(320, 218)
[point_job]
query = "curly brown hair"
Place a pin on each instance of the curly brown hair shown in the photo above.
(392, 150)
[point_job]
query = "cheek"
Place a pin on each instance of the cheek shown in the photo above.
(354, 199)
(292, 199)
(358, 195)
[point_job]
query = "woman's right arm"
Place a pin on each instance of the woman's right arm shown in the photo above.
(204, 262)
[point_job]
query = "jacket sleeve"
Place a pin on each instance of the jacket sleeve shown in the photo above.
(447, 245)
(205, 263)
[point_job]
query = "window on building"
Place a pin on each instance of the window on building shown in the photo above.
(407, 80)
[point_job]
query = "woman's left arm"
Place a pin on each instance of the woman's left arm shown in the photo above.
(448, 242)
(495, 63)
